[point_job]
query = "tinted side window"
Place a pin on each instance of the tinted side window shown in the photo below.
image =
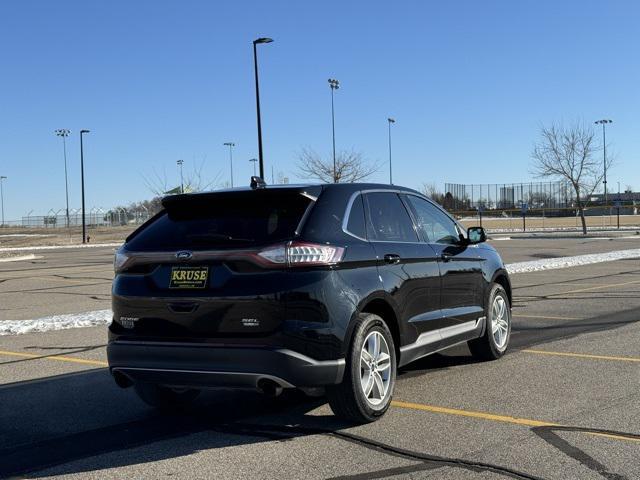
(355, 223)
(388, 219)
(435, 226)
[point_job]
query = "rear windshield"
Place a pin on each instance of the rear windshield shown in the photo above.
(231, 220)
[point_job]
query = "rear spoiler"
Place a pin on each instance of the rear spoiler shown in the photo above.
(170, 201)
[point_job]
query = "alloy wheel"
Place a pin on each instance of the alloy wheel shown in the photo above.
(500, 319)
(375, 368)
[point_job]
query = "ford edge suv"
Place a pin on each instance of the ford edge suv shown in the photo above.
(278, 287)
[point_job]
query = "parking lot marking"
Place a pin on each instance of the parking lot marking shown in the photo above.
(58, 358)
(610, 285)
(527, 422)
(583, 355)
(545, 317)
(468, 413)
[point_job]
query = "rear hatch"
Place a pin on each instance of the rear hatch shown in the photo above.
(209, 265)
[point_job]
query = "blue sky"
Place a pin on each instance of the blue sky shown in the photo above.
(469, 84)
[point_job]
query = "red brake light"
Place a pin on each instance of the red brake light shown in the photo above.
(300, 254)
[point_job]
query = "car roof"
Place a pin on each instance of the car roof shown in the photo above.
(310, 188)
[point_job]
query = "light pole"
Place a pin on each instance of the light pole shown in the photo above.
(2, 177)
(230, 145)
(64, 133)
(255, 68)
(180, 162)
(254, 161)
(604, 150)
(84, 222)
(390, 121)
(334, 85)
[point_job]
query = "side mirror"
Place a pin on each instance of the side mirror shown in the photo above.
(476, 235)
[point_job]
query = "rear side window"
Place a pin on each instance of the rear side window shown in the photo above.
(227, 220)
(356, 223)
(388, 219)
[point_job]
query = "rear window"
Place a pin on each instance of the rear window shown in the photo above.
(226, 220)
(388, 219)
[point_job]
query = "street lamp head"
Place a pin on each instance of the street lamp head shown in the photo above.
(253, 159)
(180, 162)
(391, 120)
(334, 84)
(62, 132)
(2, 177)
(263, 40)
(603, 121)
(229, 144)
(84, 131)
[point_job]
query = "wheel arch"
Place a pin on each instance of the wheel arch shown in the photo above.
(501, 277)
(384, 309)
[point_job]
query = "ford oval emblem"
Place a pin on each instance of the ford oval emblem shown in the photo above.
(184, 255)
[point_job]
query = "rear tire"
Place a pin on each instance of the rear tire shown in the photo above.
(495, 341)
(370, 374)
(165, 398)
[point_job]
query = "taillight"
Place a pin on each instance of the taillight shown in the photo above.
(300, 254)
(119, 260)
(276, 254)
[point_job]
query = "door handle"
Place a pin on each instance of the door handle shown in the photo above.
(392, 258)
(445, 256)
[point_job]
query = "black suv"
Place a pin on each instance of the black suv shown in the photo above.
(307, 286)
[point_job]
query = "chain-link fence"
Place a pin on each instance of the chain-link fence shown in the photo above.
(95, 218)
(503, 196)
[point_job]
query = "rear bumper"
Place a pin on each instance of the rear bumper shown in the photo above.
(207, 366)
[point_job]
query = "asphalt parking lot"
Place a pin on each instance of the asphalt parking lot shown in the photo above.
(564, 403)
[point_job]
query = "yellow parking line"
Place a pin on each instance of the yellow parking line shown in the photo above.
(500, 418)
(584, 355)
(547, 317)
(58, 358)
(398, 403)
(467, 413)
(610, 285)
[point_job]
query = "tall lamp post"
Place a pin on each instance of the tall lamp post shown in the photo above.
(390, 121)
(334, 85)
(2, 177)
(255, 68)
(179, 163)
(84, 218)
(254, 161)
(604, 150)
(230, 145)
(64, 133)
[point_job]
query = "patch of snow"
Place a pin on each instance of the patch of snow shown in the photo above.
(18, 258)
(567, 262)
(57, 247)
(56, 322)
(562, 229)
(31, 235)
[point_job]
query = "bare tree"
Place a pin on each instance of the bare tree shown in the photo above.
(568, 153)
(194, 181)
(350, 167)
(431, 191)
